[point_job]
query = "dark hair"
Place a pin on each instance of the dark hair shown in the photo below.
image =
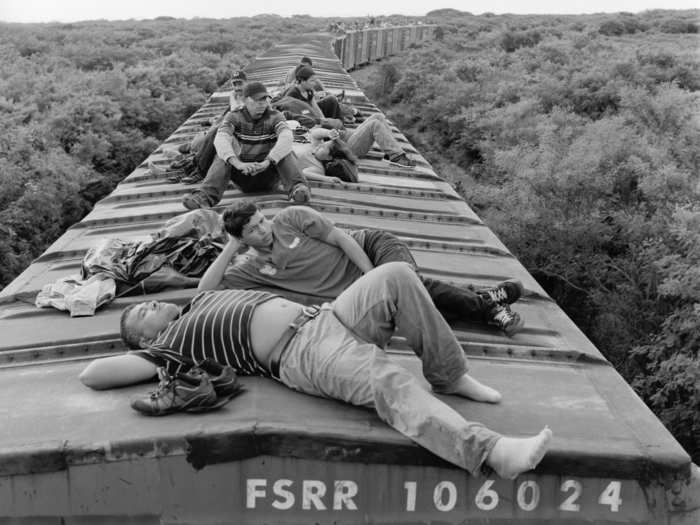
(306, 60)
(130, 337)
(340, 150)
(237, 216)
(342, 169)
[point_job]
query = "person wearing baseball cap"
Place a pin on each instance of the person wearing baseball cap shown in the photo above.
(238, 79)
(253, 147)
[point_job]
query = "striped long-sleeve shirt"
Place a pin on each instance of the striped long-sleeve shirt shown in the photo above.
(253, 140)
(215, 325)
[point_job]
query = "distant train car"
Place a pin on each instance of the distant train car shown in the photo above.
(70, 455)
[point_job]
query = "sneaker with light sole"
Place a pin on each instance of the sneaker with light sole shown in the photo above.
(402, 161)
(507, 320)
(505, 293)
(180, 393)
(300, 194)
(223, 378)
(195, 201)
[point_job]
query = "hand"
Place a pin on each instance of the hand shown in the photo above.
(333, 134)
(260, 166)
(246, 168)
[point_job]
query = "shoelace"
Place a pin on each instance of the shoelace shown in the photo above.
(498, 295)
(164, 380)
(504, 316)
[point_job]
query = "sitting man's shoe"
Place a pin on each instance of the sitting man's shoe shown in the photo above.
(180, 393)
(507, 320)
(505, 293)
(195, 201)
(223, 378)
(300, 194)
(401, 160)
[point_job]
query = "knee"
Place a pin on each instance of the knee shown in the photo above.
(398, 272)
(379, 117)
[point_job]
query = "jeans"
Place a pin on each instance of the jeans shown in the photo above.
(339, 355)
(373, 129)
(454, 303)
(330, 107)
(219, 174)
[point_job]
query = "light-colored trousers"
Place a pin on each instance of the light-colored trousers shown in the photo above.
(339, 355)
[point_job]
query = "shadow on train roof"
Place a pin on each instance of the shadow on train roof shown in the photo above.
(72, 455)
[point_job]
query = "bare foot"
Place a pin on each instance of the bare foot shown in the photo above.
(469, 387)
(510, 457)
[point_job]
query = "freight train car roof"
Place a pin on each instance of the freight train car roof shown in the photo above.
(549, 373)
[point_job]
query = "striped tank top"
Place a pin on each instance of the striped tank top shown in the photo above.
(215, 325)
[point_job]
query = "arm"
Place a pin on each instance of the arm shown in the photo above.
(354, 251)
(314, 107)
(285, 140)
(117, 371)
(212, 277)
(225, 139)
(318, 135)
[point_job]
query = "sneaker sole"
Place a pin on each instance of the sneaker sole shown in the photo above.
(220, 402)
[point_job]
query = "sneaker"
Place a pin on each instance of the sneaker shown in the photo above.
(505, 293)
(223, 378)
(195, 201)
(300, 194)
(180, 393)
(401, 160)
(507, 320)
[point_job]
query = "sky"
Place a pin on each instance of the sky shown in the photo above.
(76, 10)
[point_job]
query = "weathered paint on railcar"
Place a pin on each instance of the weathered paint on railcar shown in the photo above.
(71, 455)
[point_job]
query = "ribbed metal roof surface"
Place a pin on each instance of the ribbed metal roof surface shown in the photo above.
(549, 373)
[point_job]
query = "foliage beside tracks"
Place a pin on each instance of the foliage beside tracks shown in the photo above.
(82, 104)
(576, 139)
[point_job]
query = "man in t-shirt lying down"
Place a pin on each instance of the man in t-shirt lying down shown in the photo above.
(334, 351)
(302, 251)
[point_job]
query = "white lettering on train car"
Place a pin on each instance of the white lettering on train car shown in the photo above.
(312, 493)
(280, 489)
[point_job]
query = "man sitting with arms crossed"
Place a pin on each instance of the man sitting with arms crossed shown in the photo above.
(335, 352)
(302, 251)
(253, 146)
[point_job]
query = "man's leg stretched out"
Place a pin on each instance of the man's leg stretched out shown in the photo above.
(453, 302)
(338, 356)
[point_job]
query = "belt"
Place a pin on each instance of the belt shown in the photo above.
(307, 313)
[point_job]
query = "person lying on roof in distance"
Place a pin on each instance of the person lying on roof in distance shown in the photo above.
(302, 251)
(334, 351)
(328, 145)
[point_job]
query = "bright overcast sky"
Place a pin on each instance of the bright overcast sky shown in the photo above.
(74, 10)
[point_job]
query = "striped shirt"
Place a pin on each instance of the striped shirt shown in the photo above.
(215, 325)
(254, 139)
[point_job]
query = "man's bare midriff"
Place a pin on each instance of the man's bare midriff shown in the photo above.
(269, 321)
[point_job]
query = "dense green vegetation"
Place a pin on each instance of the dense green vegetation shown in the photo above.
(83, 104)
(574, 137)
(577, 140)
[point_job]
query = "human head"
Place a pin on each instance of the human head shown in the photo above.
(306, 60)
(140, 323)
(334, 149)
(245, 221)
(305, 76)
(238, 79)
(257, 99)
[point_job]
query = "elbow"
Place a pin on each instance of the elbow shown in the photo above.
(91, 377)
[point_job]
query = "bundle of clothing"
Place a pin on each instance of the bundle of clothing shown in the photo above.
(173, 257)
